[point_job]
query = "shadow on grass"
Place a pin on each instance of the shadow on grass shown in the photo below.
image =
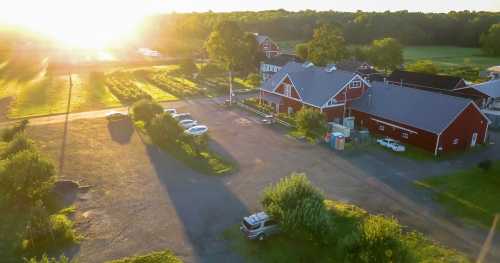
(204, 205)
(121, 130)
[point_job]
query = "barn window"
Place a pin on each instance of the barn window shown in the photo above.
(356, 84)
(455, 141)
(288, 90)
(381, 128)
(404, 135)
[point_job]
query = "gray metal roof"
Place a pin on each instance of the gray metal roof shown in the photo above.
(314, 85)
(490, 88)
(421, 109)
(261, 38)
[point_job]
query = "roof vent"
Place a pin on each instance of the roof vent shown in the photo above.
(307, 64)
(331, 68)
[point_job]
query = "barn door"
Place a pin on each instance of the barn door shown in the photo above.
(474, 140)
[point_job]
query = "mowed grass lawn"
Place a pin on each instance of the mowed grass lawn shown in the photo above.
(472, 195)
(450, 56)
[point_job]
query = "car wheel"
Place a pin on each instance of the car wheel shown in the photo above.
(261, 237)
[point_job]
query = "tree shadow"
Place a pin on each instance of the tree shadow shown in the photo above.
(121, 130)
(204, 205)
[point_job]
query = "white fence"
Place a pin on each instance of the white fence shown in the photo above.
(263, 114)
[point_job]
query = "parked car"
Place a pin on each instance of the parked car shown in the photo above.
(170, 111)
(268, 119)
(182, 116)
(186, 124)
(115, 116)
(392, 144)
(259, 226)
(197, 130)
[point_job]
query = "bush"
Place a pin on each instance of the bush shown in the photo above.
(18, 144)
(299, 208)
(9, 133)
(164, 130)
(46, 259)
(211, 69)
(485, 165)
(377, 239)
(26, 177)
(253, 79)
(187, 67)
(311, 122)
(144, 110)
(47, 232)
(423, 66)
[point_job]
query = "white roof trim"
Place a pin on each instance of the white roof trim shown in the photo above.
(343, 87)
(395, 126)
(279, 94)
(453, 120)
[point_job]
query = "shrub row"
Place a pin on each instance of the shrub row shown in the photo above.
(124, 89)
(26, 184)
(349, 232)
(177, 86)
(166, 132)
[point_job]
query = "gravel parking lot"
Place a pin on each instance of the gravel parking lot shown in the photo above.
(142, 200)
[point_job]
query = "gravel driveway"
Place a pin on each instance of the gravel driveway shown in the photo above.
(143, 200)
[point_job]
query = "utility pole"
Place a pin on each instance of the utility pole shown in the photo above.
(230, 87)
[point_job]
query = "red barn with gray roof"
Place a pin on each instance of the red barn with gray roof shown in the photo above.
(326, 89)
(432, 121)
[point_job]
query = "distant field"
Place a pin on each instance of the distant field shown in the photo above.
(448, 56)
(28, 93)
(444, 56)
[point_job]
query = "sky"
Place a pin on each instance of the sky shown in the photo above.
(92, 23)
(343, 5)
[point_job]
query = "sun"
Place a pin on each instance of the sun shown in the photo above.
(89, 24)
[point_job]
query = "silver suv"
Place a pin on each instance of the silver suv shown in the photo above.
(259, 226)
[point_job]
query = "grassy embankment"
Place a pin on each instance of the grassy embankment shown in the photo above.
(347, 218)
(470, 194)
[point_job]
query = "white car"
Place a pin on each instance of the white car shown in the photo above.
(182, 116)
(170, 111)
(391, 144)
(197, 130)
(186, 124)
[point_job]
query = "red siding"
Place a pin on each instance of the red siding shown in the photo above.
(468, 122)
(281, 89)
(423, 139)
(352, 93)
(333, 113)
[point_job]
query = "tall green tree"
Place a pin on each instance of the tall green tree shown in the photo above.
(231, 47)
(386, 53)
(490, 41)
(302, 50)
(327, 45)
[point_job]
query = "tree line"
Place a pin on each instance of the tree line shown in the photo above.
(463, 28)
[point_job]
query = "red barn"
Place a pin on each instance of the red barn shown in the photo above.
(327, 89)
(432, 121)
(267, 46)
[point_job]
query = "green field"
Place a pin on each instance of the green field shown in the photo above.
(443, 56)
(449, 56)
(470, 194)
(32, 92)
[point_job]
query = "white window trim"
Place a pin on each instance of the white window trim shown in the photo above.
(393, 125)
(358, 86)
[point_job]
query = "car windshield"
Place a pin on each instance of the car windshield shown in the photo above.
(250, 226)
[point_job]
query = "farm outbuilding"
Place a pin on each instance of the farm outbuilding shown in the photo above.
(432, 121)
